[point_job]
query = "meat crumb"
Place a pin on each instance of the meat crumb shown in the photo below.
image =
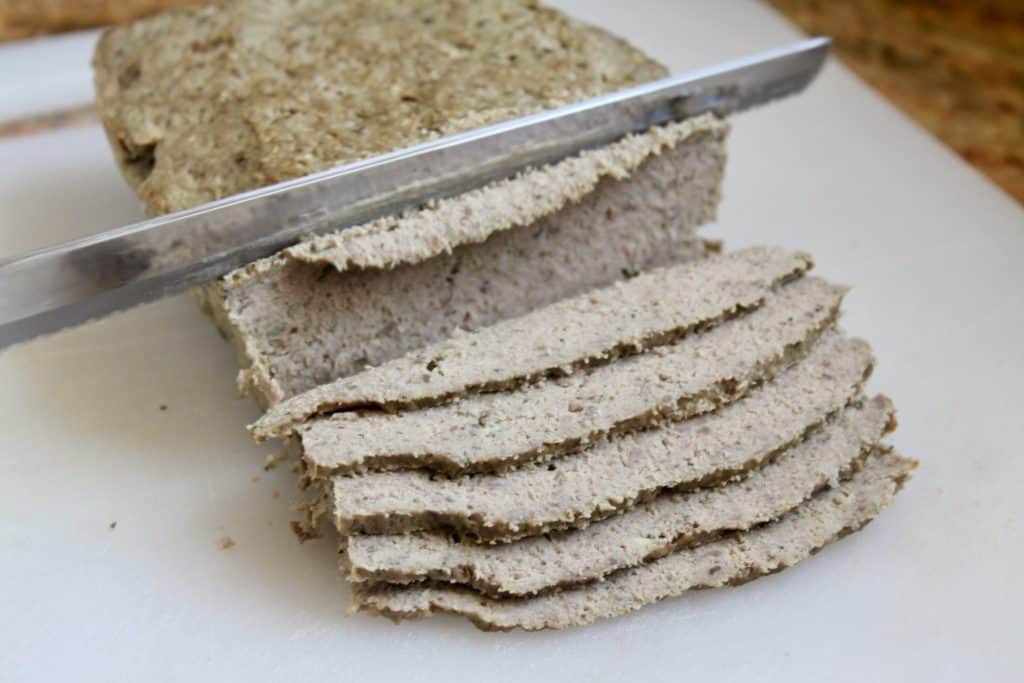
(302, 532)
(225, 542)
(275, 494)
(273, 459)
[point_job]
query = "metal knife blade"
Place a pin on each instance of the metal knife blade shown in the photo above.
(71, 283)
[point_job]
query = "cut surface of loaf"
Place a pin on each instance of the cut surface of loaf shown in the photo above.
(652, 309)
(651, 530)
(211, 101)
(490, 432)
(732, 560)
(615, 474)
(421, 277)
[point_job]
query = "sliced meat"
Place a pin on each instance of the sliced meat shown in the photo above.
(654, 529)
(617, 473)
(730, 561)
(524, 200)
(491, 432)
(626, 318)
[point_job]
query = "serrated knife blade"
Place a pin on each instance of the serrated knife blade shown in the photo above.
(74, 282)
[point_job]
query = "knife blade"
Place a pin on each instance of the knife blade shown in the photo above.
(71, 283)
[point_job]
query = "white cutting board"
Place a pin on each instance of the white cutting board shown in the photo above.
(928, 592)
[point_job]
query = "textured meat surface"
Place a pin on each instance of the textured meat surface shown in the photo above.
(211, 101)
(615, 474)
(733, 560)
(652, 309)
(297, 324)
(654, 529)
(489, 432)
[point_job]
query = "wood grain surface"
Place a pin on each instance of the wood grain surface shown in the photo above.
(23, 18)
(956, 67)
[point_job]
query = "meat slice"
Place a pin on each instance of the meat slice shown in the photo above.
(652, 309)
(730, 561)
(614, 474)
(654, 529)
(491, 432)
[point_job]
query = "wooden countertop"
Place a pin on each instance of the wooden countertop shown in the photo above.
(956, 67)
(25, 18)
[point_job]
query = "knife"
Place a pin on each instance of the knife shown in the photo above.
(71, 283)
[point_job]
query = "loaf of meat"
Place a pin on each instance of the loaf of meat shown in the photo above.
(535, 404)
(605, 451)
(205, 102)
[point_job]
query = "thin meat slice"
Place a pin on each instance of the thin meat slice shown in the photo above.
(733, 560)
(491, 432)
(623, 319)
(654, 529)
(617, 473)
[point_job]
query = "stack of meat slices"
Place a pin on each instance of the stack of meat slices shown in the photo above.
(695, 426)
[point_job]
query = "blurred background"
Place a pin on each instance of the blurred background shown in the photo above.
(954, 66)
